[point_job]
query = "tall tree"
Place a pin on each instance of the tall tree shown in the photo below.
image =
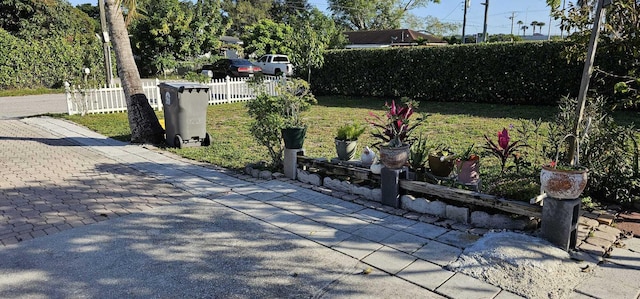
(313, 35)
(520, 23)
(436, 27)
(207, 26)
(30, 19)
(540, 25)
(268, 37)
(242, 13)
(143, 122)
(163, 35)
(373, 14)
(553, 5)
(620, 40)
(534, 24)
(286, 11)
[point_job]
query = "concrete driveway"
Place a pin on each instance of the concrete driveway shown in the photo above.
(23, 106)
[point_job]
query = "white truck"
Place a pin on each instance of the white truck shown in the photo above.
(275, 64)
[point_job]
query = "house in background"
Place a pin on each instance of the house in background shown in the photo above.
(390, 38)
(230, 46)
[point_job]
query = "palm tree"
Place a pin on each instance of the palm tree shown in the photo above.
(554, 5)
(534, 24)
(143, 122)
(520, 22)
(541, 24)
(524, 30)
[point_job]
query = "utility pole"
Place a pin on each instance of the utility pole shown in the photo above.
(106, 48)
(486, 14)
(512, 17)
(467, 3)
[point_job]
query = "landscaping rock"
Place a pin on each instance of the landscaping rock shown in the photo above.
(436, 208)
(362, 191)
(424, 206)
(458, 214)
(255, 173)
(309, 178)
(376, 195)
(265, 175)
(411, 203)
(502, 221)
(480, 219)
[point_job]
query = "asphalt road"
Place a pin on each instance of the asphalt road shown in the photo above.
(23, 106)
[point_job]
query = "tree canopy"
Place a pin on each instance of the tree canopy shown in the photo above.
(373, 14)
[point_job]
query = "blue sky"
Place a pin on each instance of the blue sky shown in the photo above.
(452, 11)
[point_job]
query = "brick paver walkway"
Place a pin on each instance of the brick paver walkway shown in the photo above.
(49, 184)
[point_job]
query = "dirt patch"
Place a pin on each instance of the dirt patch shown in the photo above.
(522, 264)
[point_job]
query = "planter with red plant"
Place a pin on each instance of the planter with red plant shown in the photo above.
(468, 167)
(564, 180)
(394, 132)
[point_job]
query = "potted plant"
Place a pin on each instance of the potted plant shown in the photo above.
(441, 161)
(564, 180)
(347, 140)
(468, 167)
(294, 96)
(273, 114)
(394, 133)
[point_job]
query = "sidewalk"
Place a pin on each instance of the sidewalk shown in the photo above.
(86, 216)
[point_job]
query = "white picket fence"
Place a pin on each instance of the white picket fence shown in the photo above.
(112, 99)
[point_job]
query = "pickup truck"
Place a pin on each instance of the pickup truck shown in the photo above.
(275, 64)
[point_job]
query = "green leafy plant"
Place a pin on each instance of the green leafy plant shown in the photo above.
(468, 154)
(419, 154)
(272, 113)
(350, 132)
(609, 151)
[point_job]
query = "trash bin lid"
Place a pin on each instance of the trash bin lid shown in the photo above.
(182, 86)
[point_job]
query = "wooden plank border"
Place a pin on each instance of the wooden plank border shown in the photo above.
(472, 197)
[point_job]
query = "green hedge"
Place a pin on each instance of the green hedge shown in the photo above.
(520, 73)
(47, 62)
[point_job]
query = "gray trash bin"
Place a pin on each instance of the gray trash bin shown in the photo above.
(185, 113)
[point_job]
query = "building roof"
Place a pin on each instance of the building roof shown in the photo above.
(230, 40)
(390, 37)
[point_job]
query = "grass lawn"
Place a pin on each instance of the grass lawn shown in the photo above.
(456, 125)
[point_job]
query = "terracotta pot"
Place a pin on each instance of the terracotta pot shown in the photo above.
(563, 184)
(468, 171)
(394, 157)
(441, 168)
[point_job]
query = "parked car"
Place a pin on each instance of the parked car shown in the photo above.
(230, 67)
(275, 64)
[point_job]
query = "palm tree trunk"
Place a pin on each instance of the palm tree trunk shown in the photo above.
(143, 121)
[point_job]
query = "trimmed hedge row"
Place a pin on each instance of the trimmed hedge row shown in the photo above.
(45, 63)
(521, 73)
